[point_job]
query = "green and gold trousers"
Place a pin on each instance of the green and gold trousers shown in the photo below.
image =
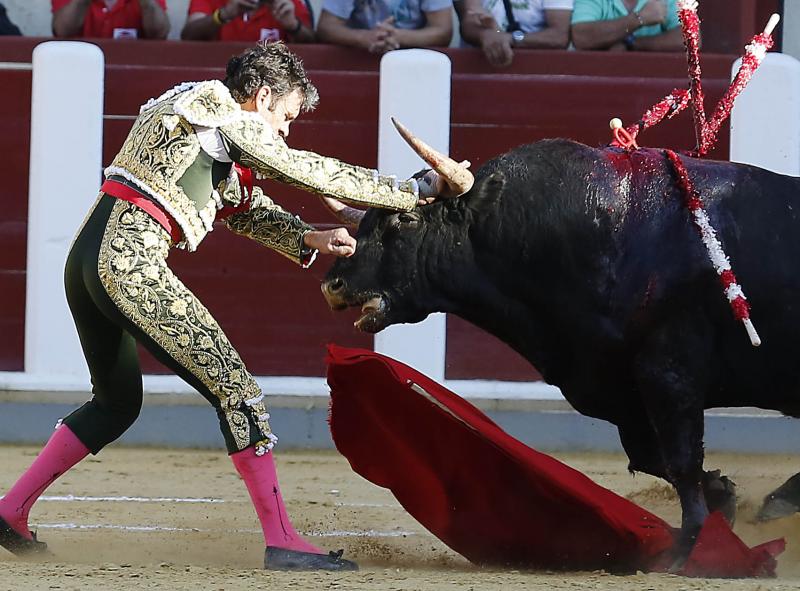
(120, 291)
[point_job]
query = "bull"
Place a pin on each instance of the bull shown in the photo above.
(585, 261)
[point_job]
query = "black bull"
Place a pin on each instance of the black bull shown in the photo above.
(586, 262)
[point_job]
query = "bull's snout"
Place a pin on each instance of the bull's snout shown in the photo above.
(333, 290)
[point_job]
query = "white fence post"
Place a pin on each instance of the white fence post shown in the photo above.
(415, 89)
(765, 122)
(66, 152)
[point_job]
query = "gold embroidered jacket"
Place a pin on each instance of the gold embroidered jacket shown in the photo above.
(269, 224)
(165, 144)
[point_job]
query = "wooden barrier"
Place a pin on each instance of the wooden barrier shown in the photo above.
(271, 310)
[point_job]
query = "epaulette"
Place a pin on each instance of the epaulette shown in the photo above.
(208, 104)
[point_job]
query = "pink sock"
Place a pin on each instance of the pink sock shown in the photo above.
(258, 473)
(62, 451)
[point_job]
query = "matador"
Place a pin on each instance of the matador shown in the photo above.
(188, 161)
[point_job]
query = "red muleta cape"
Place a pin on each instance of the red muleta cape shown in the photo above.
(490, 497)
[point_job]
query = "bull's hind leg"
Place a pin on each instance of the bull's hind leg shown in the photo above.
(781, 502)
(720, 494)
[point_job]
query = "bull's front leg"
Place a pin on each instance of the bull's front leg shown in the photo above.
(672, 387)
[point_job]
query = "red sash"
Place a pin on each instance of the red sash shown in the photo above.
(246, 184)
(126, 193)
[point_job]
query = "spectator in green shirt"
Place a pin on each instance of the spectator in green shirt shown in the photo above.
(635, 25)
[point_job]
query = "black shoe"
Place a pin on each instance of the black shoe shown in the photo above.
(284, 559)
(19, 544)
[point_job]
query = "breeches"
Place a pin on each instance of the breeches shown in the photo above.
(120, 291)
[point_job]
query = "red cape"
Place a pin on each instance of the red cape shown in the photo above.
(490, 497)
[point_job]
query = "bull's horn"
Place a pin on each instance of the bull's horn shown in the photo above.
(458, 177)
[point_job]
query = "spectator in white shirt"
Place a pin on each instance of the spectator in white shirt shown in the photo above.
(500, 26)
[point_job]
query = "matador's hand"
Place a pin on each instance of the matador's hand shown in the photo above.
(336, 242)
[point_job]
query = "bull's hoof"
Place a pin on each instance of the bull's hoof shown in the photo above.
(720, 494)
(782, 502)
(19, 544)
(680, 552)
(294, 560)
(775, 509)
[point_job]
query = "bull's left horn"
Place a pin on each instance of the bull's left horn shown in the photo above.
(458, 177)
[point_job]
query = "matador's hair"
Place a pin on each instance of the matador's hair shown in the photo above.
(273, 65)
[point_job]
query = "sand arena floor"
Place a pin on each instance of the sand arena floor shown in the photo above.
(174, 519)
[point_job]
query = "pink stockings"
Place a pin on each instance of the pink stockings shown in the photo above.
(61, 452)
(258, 473)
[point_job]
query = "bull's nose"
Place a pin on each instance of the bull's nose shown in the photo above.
(333, 290)
(333, 286)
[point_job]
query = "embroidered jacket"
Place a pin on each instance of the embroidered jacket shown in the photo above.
(180, 150)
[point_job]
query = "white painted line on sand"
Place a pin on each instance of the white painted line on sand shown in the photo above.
(126, 499)
(371, 533)
(381, 505)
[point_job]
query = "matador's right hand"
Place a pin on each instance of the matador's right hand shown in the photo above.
(336, 242)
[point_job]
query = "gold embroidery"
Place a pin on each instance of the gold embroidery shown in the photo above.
(163, 144)
(268, 154)
(155, 157)
(209, 104)
(269, 224)
(132, 268)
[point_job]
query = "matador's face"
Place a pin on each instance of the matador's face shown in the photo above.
(280, 112)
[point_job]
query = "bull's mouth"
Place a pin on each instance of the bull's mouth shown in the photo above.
(374, 307)
(373, 315)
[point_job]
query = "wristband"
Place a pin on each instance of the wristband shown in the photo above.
(216, 17)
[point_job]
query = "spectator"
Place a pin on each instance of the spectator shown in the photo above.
(6, 26)
(640, 25)
(249, 20)
(118, 19)
(382, 25)
(500, 26)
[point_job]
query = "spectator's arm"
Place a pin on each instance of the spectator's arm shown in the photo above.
(334, 29)
(473, 19)
(68, 20)
(199, 27)
(288, 15)
(603, 34)
(438, 30)
(554, 36)
(305, 34)
(671, 40)
(155, 23)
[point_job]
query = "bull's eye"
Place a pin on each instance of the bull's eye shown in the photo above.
(408, 219)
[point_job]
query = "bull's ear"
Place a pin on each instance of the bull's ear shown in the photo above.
(486, 191)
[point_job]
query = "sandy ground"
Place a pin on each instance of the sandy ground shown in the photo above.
(170, 519)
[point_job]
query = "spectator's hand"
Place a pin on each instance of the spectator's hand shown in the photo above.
(336, 242)
(236, 8)
(654, 12)
(283, 11)
(383, 37)
(496, 47)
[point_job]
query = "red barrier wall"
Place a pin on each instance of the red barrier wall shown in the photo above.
(272, 310)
